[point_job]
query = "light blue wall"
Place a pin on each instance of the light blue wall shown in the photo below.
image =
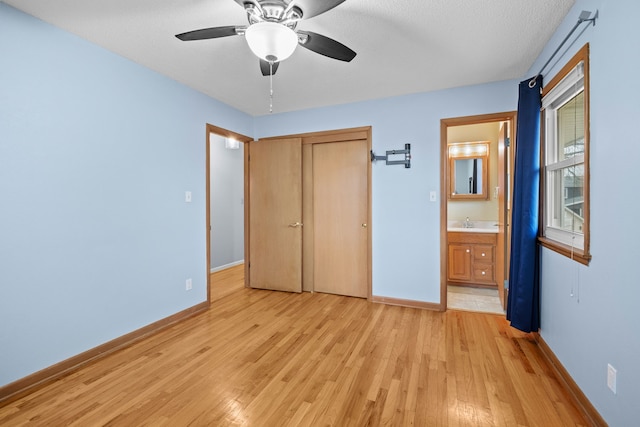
(227, 203)
(405, 224)
(96, 240)
(600, 323)
(96, 153)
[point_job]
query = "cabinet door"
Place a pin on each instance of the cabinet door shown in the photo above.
(459, 262)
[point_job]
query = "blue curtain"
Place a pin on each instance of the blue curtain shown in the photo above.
(523, 304)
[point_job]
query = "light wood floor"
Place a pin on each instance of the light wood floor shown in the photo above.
(265, 358)
(226, 282)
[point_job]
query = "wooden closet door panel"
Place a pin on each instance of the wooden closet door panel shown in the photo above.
(340, 206)
(275, 214)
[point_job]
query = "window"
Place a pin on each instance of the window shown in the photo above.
(565, 161)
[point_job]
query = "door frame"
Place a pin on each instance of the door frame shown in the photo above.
(244, 140)
(509, 116)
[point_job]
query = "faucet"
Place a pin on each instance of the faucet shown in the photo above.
(467, 223)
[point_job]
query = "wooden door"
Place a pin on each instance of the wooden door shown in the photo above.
(340, 212)
(275, 214)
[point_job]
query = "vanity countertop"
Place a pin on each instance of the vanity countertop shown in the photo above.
(474, 229)
(477, 227)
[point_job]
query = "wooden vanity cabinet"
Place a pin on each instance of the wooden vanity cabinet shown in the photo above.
(471, 258)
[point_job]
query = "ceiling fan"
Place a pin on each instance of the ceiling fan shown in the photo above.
(272, 34)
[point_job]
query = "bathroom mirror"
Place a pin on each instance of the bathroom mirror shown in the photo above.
(468, 170)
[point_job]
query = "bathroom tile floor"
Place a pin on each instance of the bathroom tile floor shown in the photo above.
(474, 299)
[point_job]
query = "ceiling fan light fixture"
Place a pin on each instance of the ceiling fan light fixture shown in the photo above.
(271, 41)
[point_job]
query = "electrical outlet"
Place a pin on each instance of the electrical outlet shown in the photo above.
(188, 285)
(611, 378)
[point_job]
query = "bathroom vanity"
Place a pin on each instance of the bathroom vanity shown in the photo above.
(471, 257)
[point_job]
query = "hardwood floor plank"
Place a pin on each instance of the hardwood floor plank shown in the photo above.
(274, 359)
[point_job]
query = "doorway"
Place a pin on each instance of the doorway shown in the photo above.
(475, 229)
(227, 201)
(225, 204)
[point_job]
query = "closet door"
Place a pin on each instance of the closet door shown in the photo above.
(275, 214)
(340, 212)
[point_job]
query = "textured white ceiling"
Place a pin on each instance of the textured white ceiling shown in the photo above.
(403, 46)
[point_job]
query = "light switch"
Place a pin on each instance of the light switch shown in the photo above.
(187, 196)
(432, 196)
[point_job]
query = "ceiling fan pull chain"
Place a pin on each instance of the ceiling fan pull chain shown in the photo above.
(270, 87)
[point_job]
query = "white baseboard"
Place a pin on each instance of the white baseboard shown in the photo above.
(223, 267)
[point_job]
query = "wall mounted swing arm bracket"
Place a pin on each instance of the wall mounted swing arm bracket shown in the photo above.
(407, 156)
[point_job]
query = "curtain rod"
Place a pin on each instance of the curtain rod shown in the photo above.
(584, 17)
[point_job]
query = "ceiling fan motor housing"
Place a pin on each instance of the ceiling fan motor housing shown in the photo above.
(273, 11)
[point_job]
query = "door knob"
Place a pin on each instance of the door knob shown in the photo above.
(295, 224)
(364, 225)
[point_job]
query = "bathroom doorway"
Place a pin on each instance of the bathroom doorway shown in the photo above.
(476, 164)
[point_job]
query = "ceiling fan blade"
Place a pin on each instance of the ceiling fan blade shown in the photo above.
(264, 67)
(326, 46)
(310, 8)
(208, 33)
